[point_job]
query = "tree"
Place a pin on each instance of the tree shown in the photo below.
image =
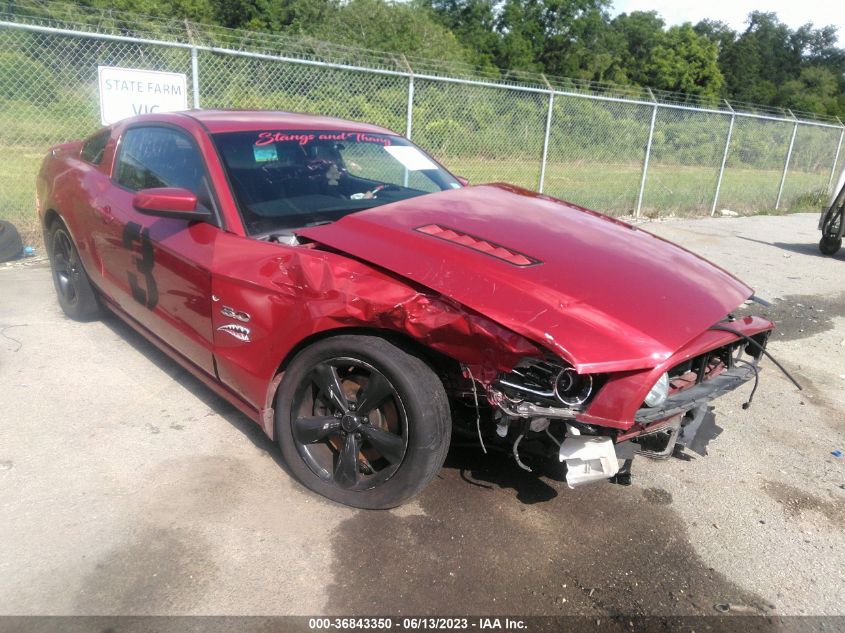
(684, 61)
(717, 32)
(759, 60)
(389, 26)
(195, 10)
(560, 37)
(640, 32)
(290, 16)
(815, 90)
(472, 21)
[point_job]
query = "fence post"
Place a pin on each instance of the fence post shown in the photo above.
(195, 76)
(546, 138)
(195, 72)
(647, 155)
(409, 122)
(409, 125)
(724, 159)
(788, 158)
(835, 158)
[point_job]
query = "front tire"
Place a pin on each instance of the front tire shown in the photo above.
(73, 288)
(362, 422)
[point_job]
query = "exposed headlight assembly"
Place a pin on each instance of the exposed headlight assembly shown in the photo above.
(573, 389)
(547, 383)
(659, 392)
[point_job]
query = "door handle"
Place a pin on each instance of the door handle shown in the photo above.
(105, 214)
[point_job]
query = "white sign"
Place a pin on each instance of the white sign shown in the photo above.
(126, 92)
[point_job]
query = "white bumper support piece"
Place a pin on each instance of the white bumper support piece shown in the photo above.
(587, 459)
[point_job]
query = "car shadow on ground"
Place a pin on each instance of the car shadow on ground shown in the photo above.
(499, 470)
(210, 399)
(802, 248)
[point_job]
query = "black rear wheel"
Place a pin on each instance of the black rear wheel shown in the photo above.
(831, 240)
(73, 288)
(362, 422)
(830, 245)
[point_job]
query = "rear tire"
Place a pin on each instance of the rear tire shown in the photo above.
(362, 422)
(73, 288)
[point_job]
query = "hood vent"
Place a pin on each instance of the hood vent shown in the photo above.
(478, 244)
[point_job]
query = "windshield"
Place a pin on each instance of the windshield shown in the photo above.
(285, 180)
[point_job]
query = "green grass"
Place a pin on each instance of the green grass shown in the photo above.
(18, 168)
(670, 189)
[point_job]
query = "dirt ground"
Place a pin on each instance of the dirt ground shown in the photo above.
(126, 487)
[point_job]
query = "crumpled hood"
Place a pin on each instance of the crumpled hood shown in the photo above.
(602, 294)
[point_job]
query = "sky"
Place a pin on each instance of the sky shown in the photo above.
(733, 12)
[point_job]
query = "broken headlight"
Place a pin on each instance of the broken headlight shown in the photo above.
(545, 383)
(573, 389)
(659, 392)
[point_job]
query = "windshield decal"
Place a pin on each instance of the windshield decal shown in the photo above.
(411, 158)
(303, 138)
(264, 154)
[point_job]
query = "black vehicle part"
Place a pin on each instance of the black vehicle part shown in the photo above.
(830, 245)
(73, 288)
(747, 403)
(660, 443)
(362, 421)
(832, 225)
(623, 477)
(10, 241)
(762, 350)
(698, 428)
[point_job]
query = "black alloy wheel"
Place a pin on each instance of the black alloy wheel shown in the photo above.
(73, 288)
(351, 427)
(362, 420)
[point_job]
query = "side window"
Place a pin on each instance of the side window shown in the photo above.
(161, 157)
(93, 148)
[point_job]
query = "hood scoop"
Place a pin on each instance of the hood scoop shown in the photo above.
(478, 244)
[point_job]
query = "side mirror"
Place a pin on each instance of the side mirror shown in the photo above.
(464, 182)
(169, 202)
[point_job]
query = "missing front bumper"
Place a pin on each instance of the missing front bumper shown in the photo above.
(698, 395)
(693, 430)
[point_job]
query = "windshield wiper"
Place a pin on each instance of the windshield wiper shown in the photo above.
(351, 209)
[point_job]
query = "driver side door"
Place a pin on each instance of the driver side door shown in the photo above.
(159, 268)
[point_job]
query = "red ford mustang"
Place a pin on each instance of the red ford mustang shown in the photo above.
(358, 301)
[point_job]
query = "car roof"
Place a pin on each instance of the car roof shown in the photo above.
(253, 120)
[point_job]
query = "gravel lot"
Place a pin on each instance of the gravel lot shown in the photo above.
(126, 487)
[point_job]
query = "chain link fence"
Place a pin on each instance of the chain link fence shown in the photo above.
(623, 153)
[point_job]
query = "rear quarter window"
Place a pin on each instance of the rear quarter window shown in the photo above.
(94, 147)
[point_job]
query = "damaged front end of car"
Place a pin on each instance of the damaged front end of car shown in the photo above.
(543, 409)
